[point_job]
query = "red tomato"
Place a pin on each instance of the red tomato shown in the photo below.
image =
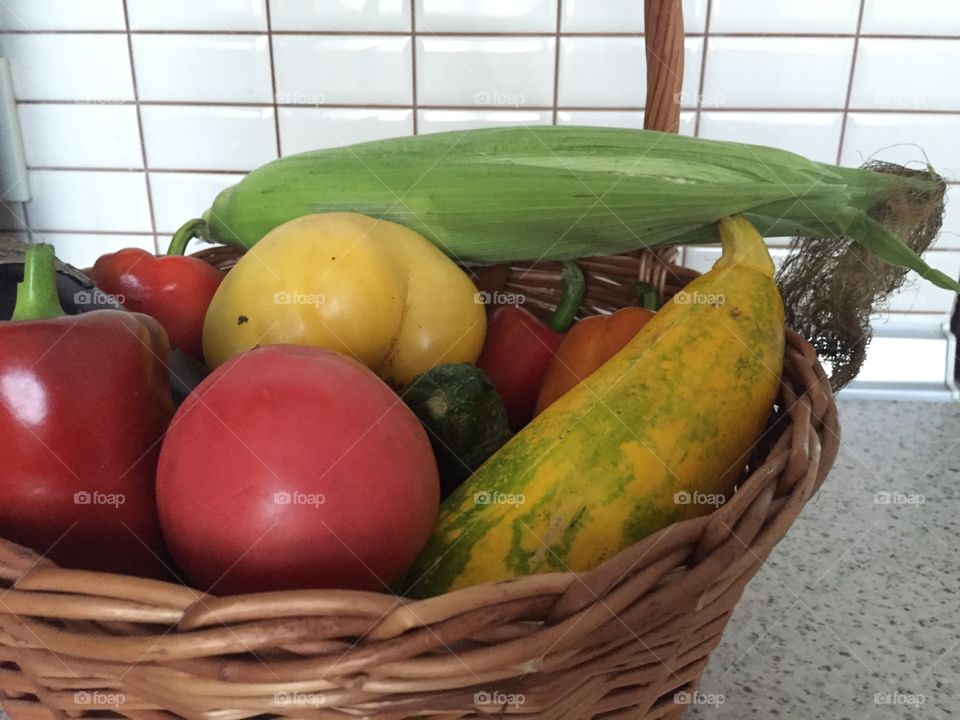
(295, 467)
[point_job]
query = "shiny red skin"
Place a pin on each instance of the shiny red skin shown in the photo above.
(174, 289)
(84, 402)
(516, 353)
(292, 419)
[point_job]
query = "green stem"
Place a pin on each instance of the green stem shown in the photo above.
(188, 231)
(37, 295)
(574, 286)
(649, 297)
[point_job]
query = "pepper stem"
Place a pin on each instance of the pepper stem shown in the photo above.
(37, 295)
(574, 286)
(648, 295)
(185, 233)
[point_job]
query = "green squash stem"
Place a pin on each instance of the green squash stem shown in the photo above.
(185, 233)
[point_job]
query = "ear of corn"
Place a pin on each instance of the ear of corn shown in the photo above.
(556, 193)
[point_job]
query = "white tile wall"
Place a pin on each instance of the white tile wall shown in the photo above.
(129, 131)
(492, 16)
(619, 118)
(89, 200)
(887, 356)
(177, 197)
(87, 68)
(82, 251)
(623, 16)
(815, 135)
(206, 68)
(906, 138)
(208, 137)
(919, 296)
(604, 16)
(360, 16)
(193, 15)
(303, 129)
(81, 136)
(505, 72)
(351, 69)
(620, 66)
(904, 74)
(950, 233)
(788, 16)
(445, 120)
(61, 15)
(911, 17)
(768, 72)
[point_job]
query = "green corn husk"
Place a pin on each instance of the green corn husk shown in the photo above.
(557, 193)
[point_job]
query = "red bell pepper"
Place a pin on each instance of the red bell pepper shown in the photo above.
(84, 403)
(174, 289)
(519, 347)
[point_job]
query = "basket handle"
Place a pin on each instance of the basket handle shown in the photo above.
(663, 20)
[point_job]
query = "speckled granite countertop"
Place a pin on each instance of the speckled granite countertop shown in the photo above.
(856, 616)
(857, 613)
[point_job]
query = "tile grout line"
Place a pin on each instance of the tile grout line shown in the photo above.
(413, 67)
(452, 34)
(143, 144)
(273, 75)
(441, 106)
(853, 70)
(556, 63)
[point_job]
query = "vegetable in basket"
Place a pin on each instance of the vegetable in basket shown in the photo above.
(587, 346)
(558, 193)
(660, 433)
(174, 289)
(519, 347)
(84, 402)
(372, 289)
(464, 417)
(515, 356)
(295, 467)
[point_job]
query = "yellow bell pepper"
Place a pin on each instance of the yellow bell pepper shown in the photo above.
(368, 288)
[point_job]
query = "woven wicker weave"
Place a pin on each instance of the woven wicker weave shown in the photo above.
(624, 640)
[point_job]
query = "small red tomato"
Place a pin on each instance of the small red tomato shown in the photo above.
(295, 467)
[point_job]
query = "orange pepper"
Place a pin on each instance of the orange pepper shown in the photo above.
(587, 346)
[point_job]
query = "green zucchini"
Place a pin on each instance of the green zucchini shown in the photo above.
(464, 417)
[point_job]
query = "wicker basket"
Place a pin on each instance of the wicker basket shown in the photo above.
(624, 640)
